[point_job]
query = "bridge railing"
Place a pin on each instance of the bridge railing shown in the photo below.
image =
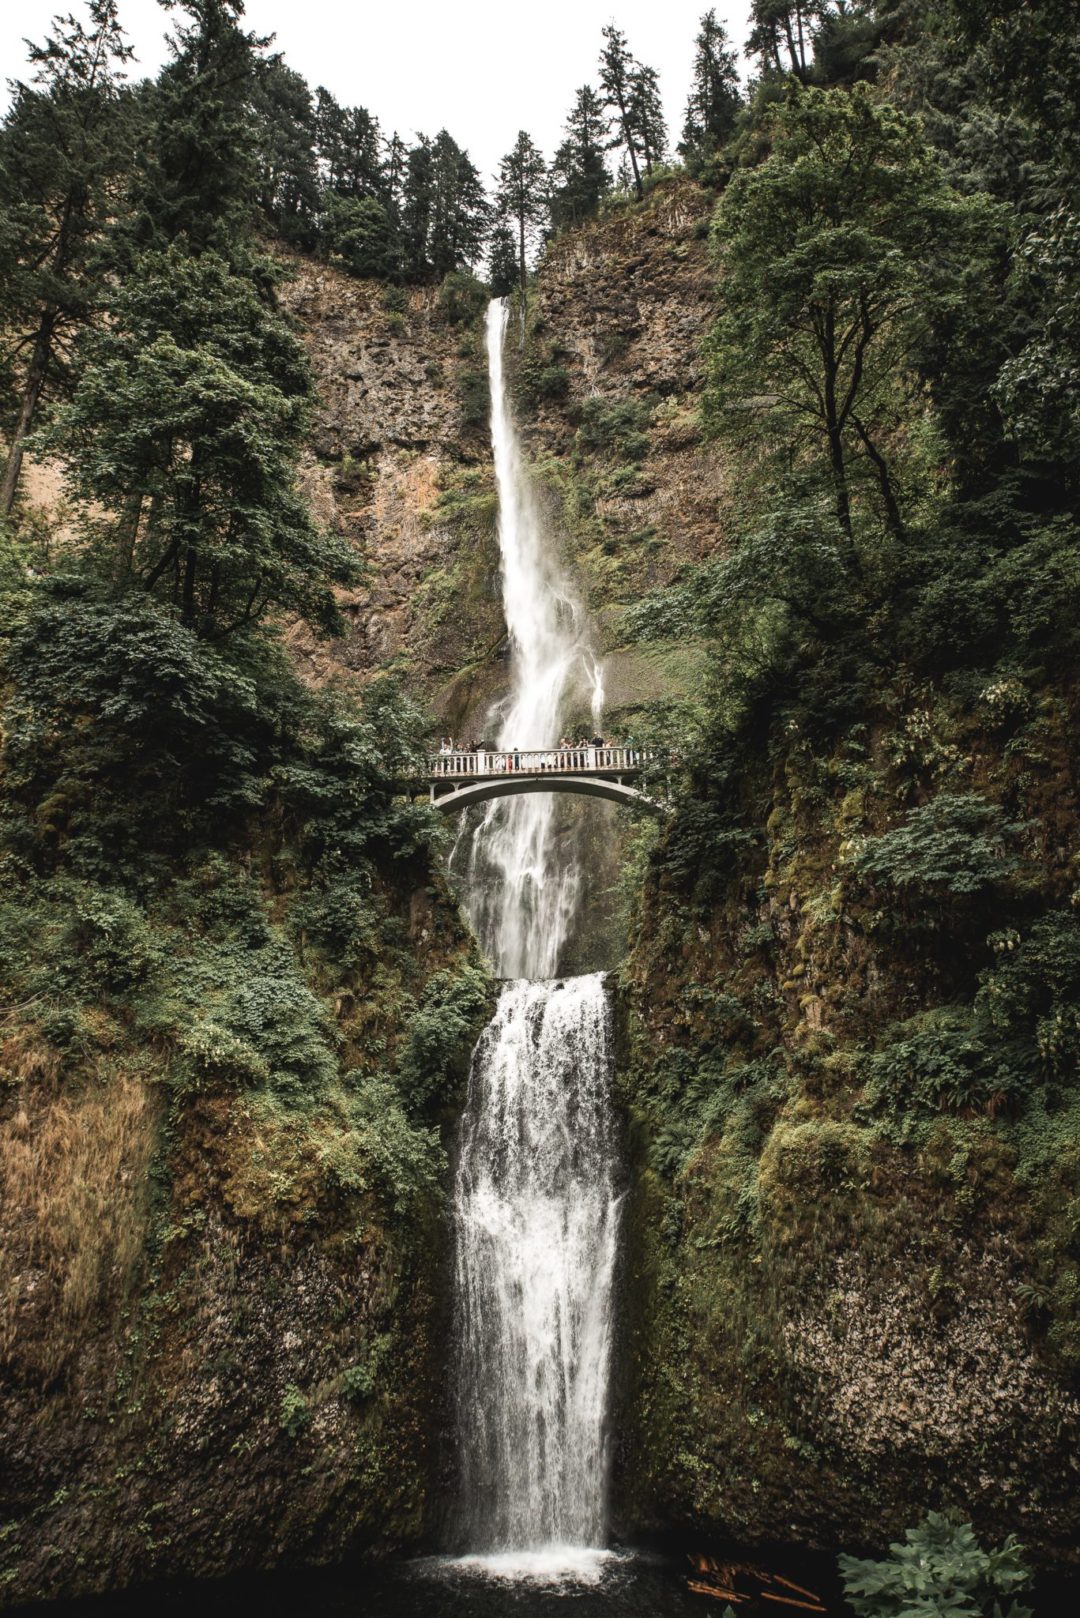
(538, 761)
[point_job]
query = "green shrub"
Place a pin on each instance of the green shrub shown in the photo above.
(956, 844)
(1029, 1001)
(939, 1571)
(294, 1414)
(360, 1381)
(383, 1149)
(937, 1062)
(538, 379)
(614, 428)
(461, 298)
(441, 1035)
(1021, 1035)
(475, 395)
(360, 236)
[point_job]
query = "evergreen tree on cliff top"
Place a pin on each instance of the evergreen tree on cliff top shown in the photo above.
(198, 169)
(579, 174)
(289, 179)
(782, 34)
(521, 196)
(632, 96)
(185, 428)
(712, 109)
(61, 149)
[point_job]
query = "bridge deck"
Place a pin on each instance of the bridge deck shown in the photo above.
(605, 763)
(458, 780)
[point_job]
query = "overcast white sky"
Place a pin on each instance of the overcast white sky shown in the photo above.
(483, 69)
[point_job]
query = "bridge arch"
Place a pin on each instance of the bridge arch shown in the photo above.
(511, 786)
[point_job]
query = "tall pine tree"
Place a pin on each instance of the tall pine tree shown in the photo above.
(616, 72)
(712, 108)
(459, 212)
(61, 149)
(579, 174)
(648, 115)
(186, 426)
(199, 169)
(521, 197)
(289, 178)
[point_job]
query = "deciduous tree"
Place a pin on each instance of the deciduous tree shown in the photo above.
(837, 253)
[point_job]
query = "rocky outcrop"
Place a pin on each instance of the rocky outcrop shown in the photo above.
(608, 387)
(399, 464)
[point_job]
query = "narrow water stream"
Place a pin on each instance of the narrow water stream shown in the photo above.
(536, 1208)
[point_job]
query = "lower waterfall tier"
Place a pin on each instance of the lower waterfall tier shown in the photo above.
(536, 1216)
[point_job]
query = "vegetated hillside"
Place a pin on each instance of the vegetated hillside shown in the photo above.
(852, 1005)
(238, 1013)
(238, 1001)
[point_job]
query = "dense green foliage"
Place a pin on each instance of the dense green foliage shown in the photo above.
(853, 998)
(940, 1571)
(204, 862)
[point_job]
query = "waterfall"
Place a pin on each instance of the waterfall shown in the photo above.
(537, 1221)
(536, 1207)
(520, 892)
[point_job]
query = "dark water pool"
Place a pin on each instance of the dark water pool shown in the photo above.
(616, 1585)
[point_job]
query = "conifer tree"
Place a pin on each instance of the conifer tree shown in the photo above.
(349, 148)
(459, 210)
(781, 35)
(199, 168)
(185, 426)
(617, 68)
(289, 179)
(521, 196)
(579, 175)
(395, 155)
(416, 208)
(647, 111)
(712, 108)
(502, 260)
(61, 148)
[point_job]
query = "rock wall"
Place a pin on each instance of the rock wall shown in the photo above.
(400, 464)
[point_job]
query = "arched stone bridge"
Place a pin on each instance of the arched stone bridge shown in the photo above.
(457, 780)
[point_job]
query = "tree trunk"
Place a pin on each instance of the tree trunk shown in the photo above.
(624, 119)
(127, 532)
(521, 270)
(187, 602)
(35, 381)
(888, 494)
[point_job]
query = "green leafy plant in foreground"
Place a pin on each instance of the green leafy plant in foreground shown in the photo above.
(939, 1571)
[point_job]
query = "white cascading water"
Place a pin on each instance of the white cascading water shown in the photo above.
(521, 893)
(535, 1201)
(538, 1217)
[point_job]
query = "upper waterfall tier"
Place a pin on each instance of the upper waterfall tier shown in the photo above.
(522, 890)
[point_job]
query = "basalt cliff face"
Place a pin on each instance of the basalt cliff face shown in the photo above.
(606, 376)
(224, 1331)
